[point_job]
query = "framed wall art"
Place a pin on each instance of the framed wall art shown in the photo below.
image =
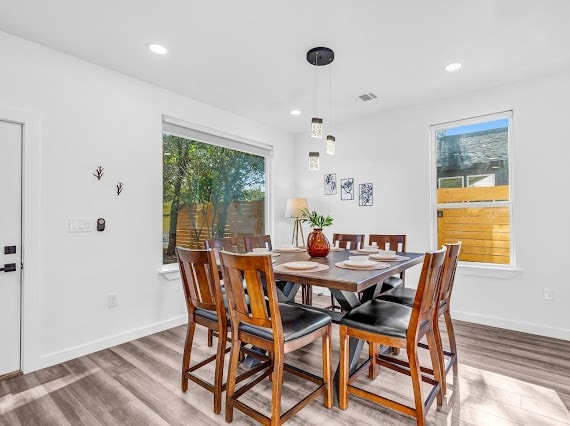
(365, 194)
(347, 189)
(330, 184)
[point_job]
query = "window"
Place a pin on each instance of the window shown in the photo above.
(213, 187)
(475, 152)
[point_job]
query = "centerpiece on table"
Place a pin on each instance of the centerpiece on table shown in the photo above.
(317, 243)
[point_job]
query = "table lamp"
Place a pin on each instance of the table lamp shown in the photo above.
(294, 209)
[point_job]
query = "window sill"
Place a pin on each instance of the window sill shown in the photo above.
(170, 272)
(501, 272)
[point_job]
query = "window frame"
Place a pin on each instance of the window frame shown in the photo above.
(475, 268)
(230, 141)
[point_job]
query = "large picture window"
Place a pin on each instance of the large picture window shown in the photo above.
(477, 152)
(210, 190)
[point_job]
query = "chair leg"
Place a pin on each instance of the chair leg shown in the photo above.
(219, 374)
(372, 352)
(187, 352)
(277, 386)
(210, 338)
(415, 374)
(343, 379)
(451, 335)
(327, 373)
(439, 347)
(436, 366)
(231, 383)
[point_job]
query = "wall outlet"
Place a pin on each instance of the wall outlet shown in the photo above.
(112, 300)
(548, 293)
(80, 225)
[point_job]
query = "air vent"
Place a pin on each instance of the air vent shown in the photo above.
(367, 97)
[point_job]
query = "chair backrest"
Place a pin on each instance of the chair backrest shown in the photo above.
(449, 268)
(388, 242)
(254, 241)
(255, 271)
(356, 240)
(226, 244)
(427, 293)
(201, 281)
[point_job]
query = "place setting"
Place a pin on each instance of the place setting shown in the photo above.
(261, 251)
(361, 263)
(376, 253)
(300, 267)
(288, 248)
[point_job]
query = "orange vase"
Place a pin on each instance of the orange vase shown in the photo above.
(318, 244)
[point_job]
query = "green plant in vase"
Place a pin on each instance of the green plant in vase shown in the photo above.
(317, 243)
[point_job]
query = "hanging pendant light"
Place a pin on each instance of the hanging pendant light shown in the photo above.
(318, 56)
(331, 145)
(331, 141)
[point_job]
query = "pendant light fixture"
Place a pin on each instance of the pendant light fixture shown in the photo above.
(318, 56)
(331, 142)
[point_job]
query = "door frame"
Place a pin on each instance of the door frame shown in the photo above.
(31, 278)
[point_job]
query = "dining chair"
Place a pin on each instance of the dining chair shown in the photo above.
(406, 296)
(227, 244)
(255, 241)
(393, 324)
(205, 305)
(352, 241)
(356, 241)
(396, 242)
(274, 327)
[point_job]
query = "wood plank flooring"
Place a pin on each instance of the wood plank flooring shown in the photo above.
(505, 378)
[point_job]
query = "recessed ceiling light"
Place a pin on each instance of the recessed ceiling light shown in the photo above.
(454, 66)
(158, 49)
(295, 112)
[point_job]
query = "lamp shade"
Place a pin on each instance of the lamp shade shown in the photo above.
(295, 206)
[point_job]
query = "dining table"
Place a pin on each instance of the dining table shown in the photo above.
(350, 287)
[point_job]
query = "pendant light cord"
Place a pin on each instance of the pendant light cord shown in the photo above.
(330, 97)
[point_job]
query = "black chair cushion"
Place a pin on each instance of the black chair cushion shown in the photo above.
(379, 317)
(392, 282)
(297, 322)
(401, 295)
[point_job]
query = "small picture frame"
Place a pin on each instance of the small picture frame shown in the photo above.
(347, 189)
(330, 184)
(365, 194)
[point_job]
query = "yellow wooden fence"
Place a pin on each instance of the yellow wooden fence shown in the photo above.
(484, 232)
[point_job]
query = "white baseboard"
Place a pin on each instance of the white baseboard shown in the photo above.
(107, 342)
(523, 327)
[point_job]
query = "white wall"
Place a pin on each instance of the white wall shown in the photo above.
(86, 116)
(392, 151)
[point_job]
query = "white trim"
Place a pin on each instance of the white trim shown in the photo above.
(489, 270)
(32, 277)
(107, 342)
(523, 327)
(170, 271)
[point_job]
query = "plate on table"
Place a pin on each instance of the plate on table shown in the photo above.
(337, 249)
(384, 256)
(367, 264)
(289, 249)
(301, 265)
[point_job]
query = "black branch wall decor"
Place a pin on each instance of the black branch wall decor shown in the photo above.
(98, 173)
(120, 187)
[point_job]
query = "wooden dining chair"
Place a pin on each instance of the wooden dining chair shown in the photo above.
(393, 324)
(396, 242)
(274, 327)
(406, 296)
(227, 244)
(356, 241)
(205, 305)
(255, 241)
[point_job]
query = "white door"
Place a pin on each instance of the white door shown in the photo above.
(10, 241)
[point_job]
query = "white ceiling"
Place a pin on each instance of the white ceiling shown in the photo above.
(248, 56)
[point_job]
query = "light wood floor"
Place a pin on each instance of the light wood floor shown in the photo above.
(505, 378)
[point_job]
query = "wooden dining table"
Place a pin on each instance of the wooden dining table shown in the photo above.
(344, 285)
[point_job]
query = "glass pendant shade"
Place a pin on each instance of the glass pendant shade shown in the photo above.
(317, 128)
(331, 145)
(313, 161)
